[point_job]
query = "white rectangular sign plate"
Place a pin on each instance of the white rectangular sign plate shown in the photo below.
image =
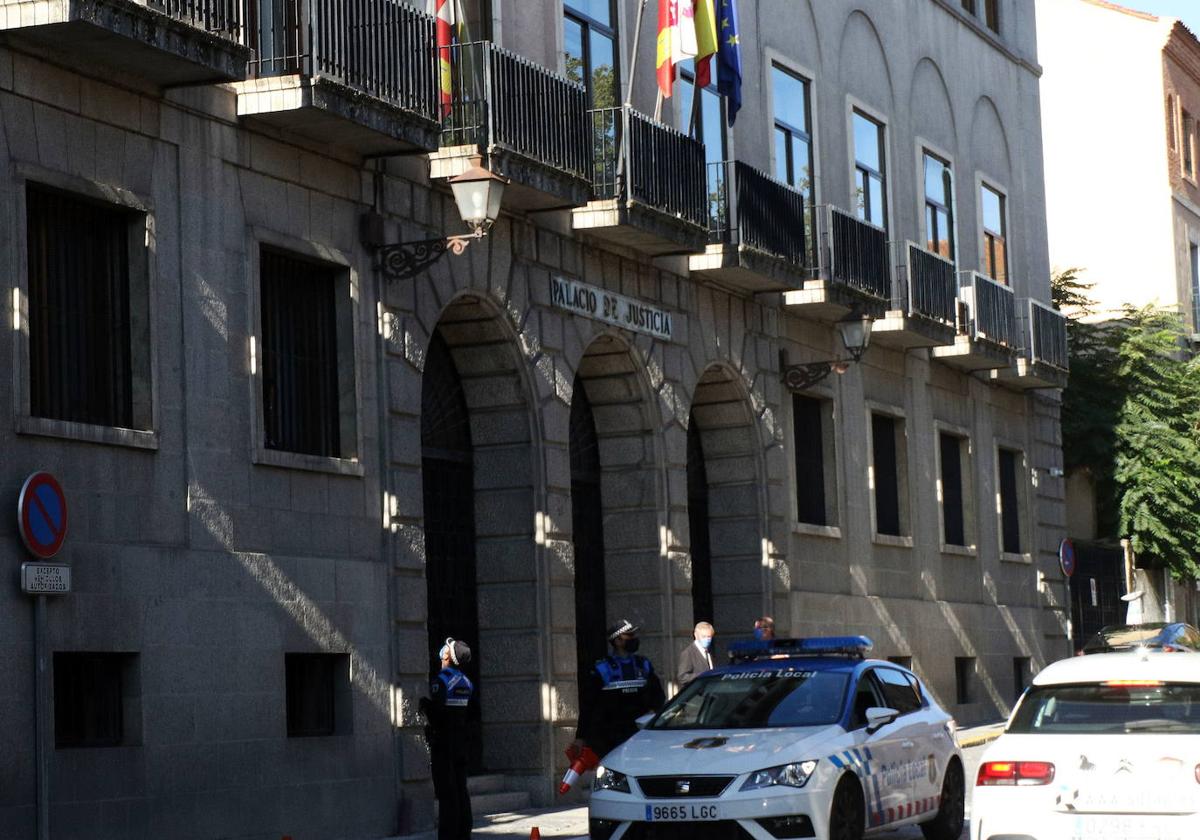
(602, 305)
(45, 578)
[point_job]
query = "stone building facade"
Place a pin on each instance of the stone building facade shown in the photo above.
(267, 551)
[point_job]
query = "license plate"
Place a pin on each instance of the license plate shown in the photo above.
(682, 813)
(1116, 827)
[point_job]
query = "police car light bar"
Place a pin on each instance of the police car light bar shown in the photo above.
(854, 646)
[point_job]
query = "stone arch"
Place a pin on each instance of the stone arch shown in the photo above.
(472, 346)
(989, 141)
(610, 382)
(723, 432)
(930, 107)
(864, 67)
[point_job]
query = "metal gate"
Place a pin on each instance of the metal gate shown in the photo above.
(448, 482)
(698, 523)
(587, 525)
(1096, 590)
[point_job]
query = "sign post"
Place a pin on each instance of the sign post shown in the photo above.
(42, 523)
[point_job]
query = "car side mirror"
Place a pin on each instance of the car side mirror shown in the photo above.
(644, 720)
(879, 717)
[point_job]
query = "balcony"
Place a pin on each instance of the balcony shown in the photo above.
(987, 336)
(649, 190)
(1044, 363)
(531, 124)
(853, 268)
(924, 301)
(166, 43)
(757, 232)
(354, 73)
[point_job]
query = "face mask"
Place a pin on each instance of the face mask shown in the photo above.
(759, 634)
(632, 645)
(705, 642)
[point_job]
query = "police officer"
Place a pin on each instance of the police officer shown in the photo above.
(450, 693)
(621, 687)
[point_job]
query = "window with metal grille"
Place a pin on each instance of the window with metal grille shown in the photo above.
(964, 679)
(698, 525)
(812, 436)
(888, 469)
(1010, 503)
(954, 531)
(95, 699)
(318, 694)
(302, 409)
(88, 330)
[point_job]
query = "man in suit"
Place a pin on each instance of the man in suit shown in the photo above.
(696, 658)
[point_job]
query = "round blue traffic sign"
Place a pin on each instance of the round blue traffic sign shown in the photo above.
(1066, 556)
(42, 515)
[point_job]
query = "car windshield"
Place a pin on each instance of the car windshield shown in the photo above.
(1109, 709)
(754, 699)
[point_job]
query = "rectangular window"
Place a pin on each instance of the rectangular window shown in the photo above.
(318, 694)
(1020, 675)
(995, 230)
(969, 6)
(1194, 265)
(954, 530)
(96, 699)
(793, 135)
(902, 661)
(1171, 142)
(991, 14)
(1189, 145)
(888, 472)
(590, 38)
(939, 206)
(1010, 503)
(964, 679)
(302, 380)
(816, 488)
(870, 180)
(89, 346)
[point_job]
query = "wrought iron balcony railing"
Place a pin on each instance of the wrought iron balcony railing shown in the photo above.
(746, 207)
(645, 162)
(224, 18)
(384, 48)
(854, 253)
(993, 311)
(930, 287)
(1046, 330)
(502, 100)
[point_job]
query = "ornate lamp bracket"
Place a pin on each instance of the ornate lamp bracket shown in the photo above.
(798, 378)
(405, 260)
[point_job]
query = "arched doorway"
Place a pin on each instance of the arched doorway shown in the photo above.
(587, 525)
(698, 526)
(448, 484)
(725, 484)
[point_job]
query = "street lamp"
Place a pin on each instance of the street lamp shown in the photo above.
(855, 330)
(478, 193)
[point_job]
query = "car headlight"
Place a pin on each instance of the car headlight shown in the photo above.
(792, 775)
(609, 779)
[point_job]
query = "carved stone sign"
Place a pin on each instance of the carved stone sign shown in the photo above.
(611, 308)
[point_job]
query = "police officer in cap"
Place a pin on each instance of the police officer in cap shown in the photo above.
(621, 687)
(450, 693)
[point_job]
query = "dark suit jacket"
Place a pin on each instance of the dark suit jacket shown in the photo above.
(692, 663)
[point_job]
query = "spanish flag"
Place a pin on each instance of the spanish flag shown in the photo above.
(706, 41)
(668, 17)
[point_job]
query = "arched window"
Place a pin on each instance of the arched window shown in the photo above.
(587, 525)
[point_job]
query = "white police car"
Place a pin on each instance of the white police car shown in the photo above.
(1100, 747)
(796, 738)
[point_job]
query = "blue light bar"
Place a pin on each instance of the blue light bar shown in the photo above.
(855, 646)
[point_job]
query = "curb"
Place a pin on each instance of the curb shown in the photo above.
(980, 738)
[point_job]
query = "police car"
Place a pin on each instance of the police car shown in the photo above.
(795, 738)
(1102, 747)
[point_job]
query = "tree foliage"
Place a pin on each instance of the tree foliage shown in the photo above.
(1130, 417)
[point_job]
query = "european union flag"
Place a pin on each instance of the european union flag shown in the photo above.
(729, 58)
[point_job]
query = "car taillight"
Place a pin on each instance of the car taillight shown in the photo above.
(1015, 773)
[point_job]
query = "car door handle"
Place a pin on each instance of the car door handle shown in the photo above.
(908, 745)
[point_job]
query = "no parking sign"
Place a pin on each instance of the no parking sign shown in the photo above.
(42, 515)
(1066, 557)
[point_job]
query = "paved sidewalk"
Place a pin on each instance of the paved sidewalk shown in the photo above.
(974, 736)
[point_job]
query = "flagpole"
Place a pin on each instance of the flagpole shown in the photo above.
(633, 58)
(695, 101)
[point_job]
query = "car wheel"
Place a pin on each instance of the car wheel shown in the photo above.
(846, 817)
(948, 824)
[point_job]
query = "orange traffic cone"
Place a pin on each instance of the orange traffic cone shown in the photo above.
(584, 761)
(535, 834)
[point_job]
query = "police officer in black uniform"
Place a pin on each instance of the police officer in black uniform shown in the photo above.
(621, 687)
(445, 709)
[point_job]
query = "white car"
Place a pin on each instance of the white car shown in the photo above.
(796, 738)
(1099, 747)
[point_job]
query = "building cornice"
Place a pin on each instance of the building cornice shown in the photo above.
(1183, 49)
(955, 8)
